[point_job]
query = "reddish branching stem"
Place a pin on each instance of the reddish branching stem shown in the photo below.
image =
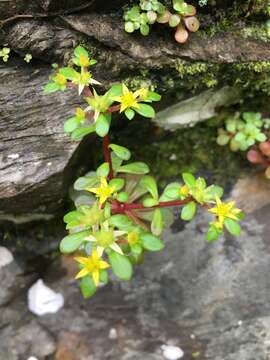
(107, 155)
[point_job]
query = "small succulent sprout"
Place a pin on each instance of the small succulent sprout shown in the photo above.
(255, 157)
(4, 54)
(265, 148)
(129, 27)
(183, 8)
(151, 16)
(192, 23)
(181, 34)
(165, 17)
(28, 58)
(174, 20)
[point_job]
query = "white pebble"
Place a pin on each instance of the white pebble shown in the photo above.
(192, 336)
(113, 334)
(49, 163)
(13, 156)
(240, 322)
(5, 256)
(32, 358)
(43, 300)
(172, 352)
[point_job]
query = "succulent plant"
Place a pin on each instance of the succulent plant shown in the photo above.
(180, 16)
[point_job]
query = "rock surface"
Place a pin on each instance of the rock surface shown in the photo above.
(34, 151)
(210, 300)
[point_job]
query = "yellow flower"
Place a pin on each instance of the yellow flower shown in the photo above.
(133, 238)
(104, 191)
(106, 238)
(60, 79)
(80, 114)
(91, 265)
(129, 99)
(184, 190)
(84, 61)
(223, 211)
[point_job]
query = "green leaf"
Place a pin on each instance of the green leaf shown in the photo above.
(79, 133)
(233, 227)
(153, 96)
(261, 137)
(171, 192)
(214, 191)
(50, 88)
(136, 249)
(188, 211)
(72, 242)
(79, 50)
(212, 234)
(120, 151)
(115, 90)
(223, 139)
(149, 202)
(145, 110)
(189, 180)
(157, 222)
(144, 29)
(104, 278)
(68, 72)
(117, 183)
(121, 266)
(71, 124)
(151, 242)
(134, 168)
(122, 196)
(72, 216)
(102, 125)
(130, 114)
(120, 221)
(85, 182)
(87, 286)
(103, 170)
(149, 183)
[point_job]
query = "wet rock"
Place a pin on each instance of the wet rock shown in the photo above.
(28, 340)
(34, 151)
(42, 39)
(196, 109)
(12, 277)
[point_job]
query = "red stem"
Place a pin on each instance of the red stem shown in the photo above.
(107, 155)
(121, 208)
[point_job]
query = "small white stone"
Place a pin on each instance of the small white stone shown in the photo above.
(172, 352)
(49, 163)
(192, 336)
(113, 334)
(240, 322)
(13, 156)
(32, 358)
(173, 157)
(6, 256)
(43, 300)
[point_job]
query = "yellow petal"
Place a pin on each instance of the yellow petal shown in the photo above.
(103, 265)
(123, 107)
(94, 255)
(218, 201)
(213, 210)
(93, 190)
(82, 260)
(125, 89)
(82, 273)
(95, 276)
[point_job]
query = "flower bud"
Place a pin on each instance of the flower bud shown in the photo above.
(192, 23)
(265, 148)
(255, 157)
(181, 34)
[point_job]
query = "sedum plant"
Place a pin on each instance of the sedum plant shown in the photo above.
(120, 213)
(248, 132)
(180, 16)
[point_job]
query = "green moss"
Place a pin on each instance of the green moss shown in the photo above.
(258, 32)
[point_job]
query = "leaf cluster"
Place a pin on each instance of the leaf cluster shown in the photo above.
(180, 15)
(242, 132)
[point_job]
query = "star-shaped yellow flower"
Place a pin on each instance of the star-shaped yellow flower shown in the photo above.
(91, 265)
(104, 191)
(128, 99)
(223, 211)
